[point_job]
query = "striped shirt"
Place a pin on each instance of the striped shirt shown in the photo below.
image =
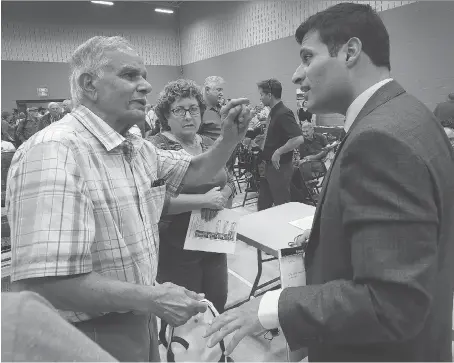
(75, 204)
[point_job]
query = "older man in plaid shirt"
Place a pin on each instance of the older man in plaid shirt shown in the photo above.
(84, 198)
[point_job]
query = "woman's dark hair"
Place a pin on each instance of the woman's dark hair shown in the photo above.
(173, 91)
(341, 22)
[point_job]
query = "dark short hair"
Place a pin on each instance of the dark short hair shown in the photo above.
(451, 96)
(339, 23)
(272, 86)
(175, 90)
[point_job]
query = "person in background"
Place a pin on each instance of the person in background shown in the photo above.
(42, 111)
(28, 126)
(143, 128)
(84, 198)
(445, 110)
(180, 108)
(213, 92)
(255, 137)
(312, 152)
(281, 137)
(33, 331)
(67, 107)
(52, 116)
(8, 130)
(448, 126)
(379, 259)
(20, 117)
(150, 118)
(304, 114)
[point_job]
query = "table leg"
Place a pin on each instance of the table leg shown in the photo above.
(255, 287)
(259, 274)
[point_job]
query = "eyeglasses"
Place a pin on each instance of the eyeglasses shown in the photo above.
(181, 111)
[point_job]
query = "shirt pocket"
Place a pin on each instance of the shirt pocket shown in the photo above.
(154, 202)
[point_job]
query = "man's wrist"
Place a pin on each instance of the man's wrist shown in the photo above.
(226, 143)
(227, 192)
(146, 299)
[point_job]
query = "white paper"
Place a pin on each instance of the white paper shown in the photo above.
(217, 235)
(303, 223)
(293, 274)
(292, 270)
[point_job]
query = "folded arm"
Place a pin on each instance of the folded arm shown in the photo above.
(390, 221)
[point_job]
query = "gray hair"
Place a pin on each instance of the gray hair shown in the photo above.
(212, 81)
(90, 58)
(307, 123)
(53, 104)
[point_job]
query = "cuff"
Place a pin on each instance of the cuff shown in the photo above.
(269, 309)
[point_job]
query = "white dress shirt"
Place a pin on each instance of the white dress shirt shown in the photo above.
(268, 310)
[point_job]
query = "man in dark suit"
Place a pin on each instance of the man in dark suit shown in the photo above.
(282, 136)
(379, 258)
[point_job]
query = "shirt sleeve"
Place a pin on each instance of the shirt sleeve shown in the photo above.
(50, 214)
(289, 125)
(269, 309)
(172, 167)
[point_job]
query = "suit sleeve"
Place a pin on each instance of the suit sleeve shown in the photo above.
(390, 222)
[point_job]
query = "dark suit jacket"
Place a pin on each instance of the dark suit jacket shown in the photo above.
(45, 121)
(381, 254)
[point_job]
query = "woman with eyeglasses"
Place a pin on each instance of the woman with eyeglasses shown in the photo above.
(179, 109)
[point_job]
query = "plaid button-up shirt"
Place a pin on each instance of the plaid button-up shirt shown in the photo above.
(76, 205)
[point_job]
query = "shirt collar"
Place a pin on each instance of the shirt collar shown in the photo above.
(359, 102)
(106, 135)
(275, 107)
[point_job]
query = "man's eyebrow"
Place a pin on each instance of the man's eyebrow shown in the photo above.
(129, 68)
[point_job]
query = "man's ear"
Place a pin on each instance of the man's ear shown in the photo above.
(207, 89)
(352, 51)
(87, 83)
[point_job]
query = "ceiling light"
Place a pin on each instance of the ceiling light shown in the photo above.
(160, 10)
(103, 2)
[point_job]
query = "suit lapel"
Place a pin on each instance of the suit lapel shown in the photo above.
(385, 93)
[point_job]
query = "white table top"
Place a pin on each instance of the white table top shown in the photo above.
(269, 230)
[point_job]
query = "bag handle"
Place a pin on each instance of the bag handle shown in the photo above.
(171, 356)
